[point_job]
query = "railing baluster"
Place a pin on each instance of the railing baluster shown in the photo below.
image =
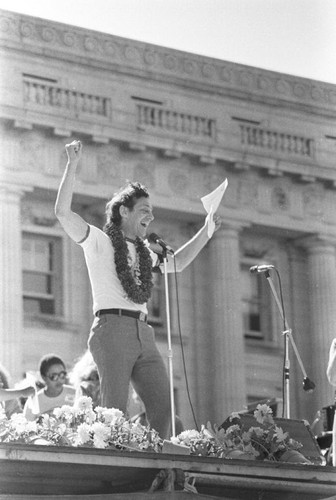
(275, 141)
(49, 94)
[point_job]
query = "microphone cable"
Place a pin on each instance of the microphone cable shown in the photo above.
(182, 349)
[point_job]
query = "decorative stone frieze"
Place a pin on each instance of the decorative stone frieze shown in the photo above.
(32, 34)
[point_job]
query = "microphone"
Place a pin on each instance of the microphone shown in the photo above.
(261, 269)
(308, 385)
(154, 238)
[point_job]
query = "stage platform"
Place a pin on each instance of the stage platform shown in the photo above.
(35, 471)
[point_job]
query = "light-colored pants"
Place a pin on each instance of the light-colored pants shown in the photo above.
(124, 350)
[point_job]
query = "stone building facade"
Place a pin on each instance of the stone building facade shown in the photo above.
(181, 124)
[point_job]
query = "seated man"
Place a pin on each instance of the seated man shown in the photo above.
(55, 393)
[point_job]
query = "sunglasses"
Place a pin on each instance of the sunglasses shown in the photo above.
(56, 376)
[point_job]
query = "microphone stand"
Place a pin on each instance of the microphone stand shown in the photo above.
(308, 385)
(170, 351)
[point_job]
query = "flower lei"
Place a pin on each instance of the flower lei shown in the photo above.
(138, 293)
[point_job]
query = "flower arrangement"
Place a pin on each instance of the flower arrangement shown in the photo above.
(82, 426)
(265, 441)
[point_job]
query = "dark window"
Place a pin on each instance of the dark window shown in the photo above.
(42, 276)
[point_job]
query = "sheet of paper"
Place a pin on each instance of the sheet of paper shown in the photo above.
(211, 203)
(214, 198)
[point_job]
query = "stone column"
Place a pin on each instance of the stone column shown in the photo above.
(321, 264)
(228, 355)
(11, 308)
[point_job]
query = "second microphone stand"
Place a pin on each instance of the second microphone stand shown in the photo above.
(170, 351)
(308, 385)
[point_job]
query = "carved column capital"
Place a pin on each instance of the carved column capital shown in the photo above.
(317, 243)
(12, 190)
(230, 226)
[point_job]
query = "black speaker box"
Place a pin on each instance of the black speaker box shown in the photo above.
(297, 429)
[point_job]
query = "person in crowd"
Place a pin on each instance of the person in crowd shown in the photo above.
(120, 262)
(56, 392)
(85, 378)
(331, 375)
(9, 398)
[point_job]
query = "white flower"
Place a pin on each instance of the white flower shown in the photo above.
(101, 434)
(234, 415)
(99, 443)
(19, 422)
(186, 437)
(65, 411)
(189, 434)
(83, 403)
(263, 414)
(45, 418)
(62, 428)
(111, 415)
(83, 434)
(31, 426)
(90, 416)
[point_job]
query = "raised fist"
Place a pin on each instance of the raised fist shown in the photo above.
(74, 150)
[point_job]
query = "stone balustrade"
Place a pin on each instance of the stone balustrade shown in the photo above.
(50, 94)
(151, 116)
(278, 142)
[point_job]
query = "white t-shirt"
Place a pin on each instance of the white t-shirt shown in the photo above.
(46, 404)
(107, 290)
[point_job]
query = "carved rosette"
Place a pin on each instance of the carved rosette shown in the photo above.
(208, 70)
(313, 200)
(150, 57)
(48, 34)
(90, 44)
(108, 166)
(170, 62)
(145, 175)
(110, 48)
(280, 199)
(69, 39)
(247, 192)
(178, 183)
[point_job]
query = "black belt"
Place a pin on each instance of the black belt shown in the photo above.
(141, 316)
